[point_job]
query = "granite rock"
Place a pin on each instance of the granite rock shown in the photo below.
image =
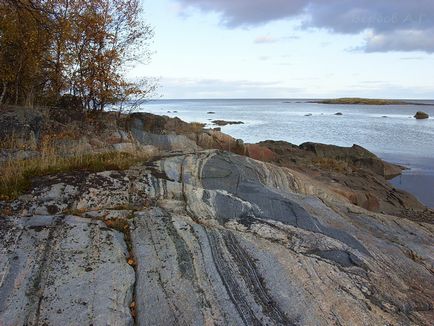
(57, 270)
(219, 238)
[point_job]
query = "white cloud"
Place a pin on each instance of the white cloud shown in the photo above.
(401, 40)
(215, 88)
(261, 39)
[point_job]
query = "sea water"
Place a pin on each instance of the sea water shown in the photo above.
(389, 131)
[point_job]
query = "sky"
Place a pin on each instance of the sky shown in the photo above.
(290, 48)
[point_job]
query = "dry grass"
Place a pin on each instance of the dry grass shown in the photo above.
(13, 142)
(330, 164)
(16, 175)
(193, 127)
(122, 225)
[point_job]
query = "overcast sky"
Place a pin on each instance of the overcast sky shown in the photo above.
(291, 48)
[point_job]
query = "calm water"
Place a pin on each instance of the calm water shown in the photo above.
(389, 131)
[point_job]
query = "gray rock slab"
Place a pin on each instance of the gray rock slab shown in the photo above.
(57, 270)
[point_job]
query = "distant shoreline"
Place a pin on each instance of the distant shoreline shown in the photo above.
(365, 101)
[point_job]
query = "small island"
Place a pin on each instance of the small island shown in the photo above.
(363, 101)
(224, 122)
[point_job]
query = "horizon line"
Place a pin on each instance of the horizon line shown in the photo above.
(290, 98)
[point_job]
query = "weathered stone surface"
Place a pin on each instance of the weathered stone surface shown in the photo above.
(214, 139)
(23, 124)
(239, 246)
(124, 147)
(57, 270)
(230, 241)
(356, 155)
(353, 172)
(13, 154)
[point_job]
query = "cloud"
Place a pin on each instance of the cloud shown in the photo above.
(261, 39)
(396, 25)
(412, 58)
(198, 88)
(215, 88)
(401, 40)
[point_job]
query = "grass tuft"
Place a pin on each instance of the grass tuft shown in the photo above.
(330, 164)
(16, 175)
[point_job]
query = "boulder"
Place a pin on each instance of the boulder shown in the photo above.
(421, 115)
(23, 124)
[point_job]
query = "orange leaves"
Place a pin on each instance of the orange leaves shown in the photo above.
(133, 309)
(80, 47)
(131, 262)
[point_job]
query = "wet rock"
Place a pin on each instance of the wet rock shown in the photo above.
(421, 115)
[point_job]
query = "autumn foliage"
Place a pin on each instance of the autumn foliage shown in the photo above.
(76, 52)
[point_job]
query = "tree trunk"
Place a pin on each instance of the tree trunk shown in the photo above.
(3, 93)
(29, 98)
(17, 81)
(16, 92)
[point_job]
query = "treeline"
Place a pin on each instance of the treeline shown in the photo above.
(70, 52)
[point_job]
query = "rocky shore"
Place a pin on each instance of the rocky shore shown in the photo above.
(209, 230)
